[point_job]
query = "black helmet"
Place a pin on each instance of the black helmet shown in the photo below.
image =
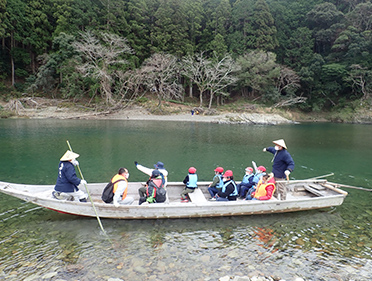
(155, 173)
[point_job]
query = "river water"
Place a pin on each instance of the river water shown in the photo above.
(330, 244)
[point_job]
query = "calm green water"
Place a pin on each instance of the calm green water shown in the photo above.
(316, 245)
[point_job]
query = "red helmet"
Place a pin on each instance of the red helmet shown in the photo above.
(249, 169)
(228, 174)
(192, 170)
(262, 168)
(219, 169)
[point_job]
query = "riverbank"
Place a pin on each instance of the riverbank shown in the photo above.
(242, 113)
(37, 108)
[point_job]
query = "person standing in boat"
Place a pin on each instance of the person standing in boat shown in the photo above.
(191, 181)
(148, 171)
(121, 188)
(66, 187)
(283, 165)
(217, 182)
(265, 188)
(229, 191)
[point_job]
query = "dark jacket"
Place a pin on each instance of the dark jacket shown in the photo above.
(229, 189)
(282, 161)
(153, 183)
(67, 180)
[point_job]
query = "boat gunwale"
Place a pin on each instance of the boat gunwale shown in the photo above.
(191, 209)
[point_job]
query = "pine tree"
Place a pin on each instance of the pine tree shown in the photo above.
(264, 30)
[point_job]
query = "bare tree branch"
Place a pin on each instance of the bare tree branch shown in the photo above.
(289, 102)
(361, 78)
(288, 80)
(98, 55)
(159, 74)
(207, 74)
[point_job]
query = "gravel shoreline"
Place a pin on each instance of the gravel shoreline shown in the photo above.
(138, 113)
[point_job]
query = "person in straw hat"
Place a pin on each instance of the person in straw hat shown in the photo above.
(283, 165)
(66, 187)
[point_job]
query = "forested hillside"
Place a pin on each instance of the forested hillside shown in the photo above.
(308, 53)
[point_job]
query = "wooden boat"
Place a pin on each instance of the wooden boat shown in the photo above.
(302, 195)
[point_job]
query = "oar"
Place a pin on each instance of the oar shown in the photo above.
(350, 186)
(90, 198)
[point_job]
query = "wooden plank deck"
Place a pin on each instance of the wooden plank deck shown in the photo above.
(197, 196)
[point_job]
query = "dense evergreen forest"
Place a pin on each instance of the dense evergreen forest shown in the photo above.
(311, 54)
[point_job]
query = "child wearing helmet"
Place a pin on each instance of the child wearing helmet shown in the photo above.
(229, 191)
(265, 188)
(154, 190)
(246, 183)
(217, 183)
(191, 182)
(259, 172)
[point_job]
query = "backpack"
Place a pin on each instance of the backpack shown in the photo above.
(159, 192)
(108, 192)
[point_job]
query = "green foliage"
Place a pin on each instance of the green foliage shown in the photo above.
(333, 72)
(142, 100)
(218, 46)
(258, 72)
(240, 38)
(6, 113)
(326, 21)
(299, 48)
(319, 40)
(264, 30)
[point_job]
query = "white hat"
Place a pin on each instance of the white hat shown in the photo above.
(69, 155)
(280, 143)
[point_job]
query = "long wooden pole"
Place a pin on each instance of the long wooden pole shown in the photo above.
(350, 186)
(90, 198)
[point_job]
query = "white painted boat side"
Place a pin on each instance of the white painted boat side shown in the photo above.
(298, 200)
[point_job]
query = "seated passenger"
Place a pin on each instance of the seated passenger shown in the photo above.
(229, 191)
(265, 189)
(191, 181)
(155, 192)
(217, 183)
(158, 166)
(121, 188)
(246, 183)
(259, 171)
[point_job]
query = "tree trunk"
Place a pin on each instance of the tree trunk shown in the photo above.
(210, 100)
(190, 89)
(33, 63)
(201, 99)
(11, 58)
(106, 89)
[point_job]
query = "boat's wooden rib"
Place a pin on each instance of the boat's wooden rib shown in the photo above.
(298, 199)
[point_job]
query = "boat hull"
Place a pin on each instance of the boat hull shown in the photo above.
(299, 199)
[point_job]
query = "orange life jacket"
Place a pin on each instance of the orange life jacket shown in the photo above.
(261, 189)
(119, 177)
